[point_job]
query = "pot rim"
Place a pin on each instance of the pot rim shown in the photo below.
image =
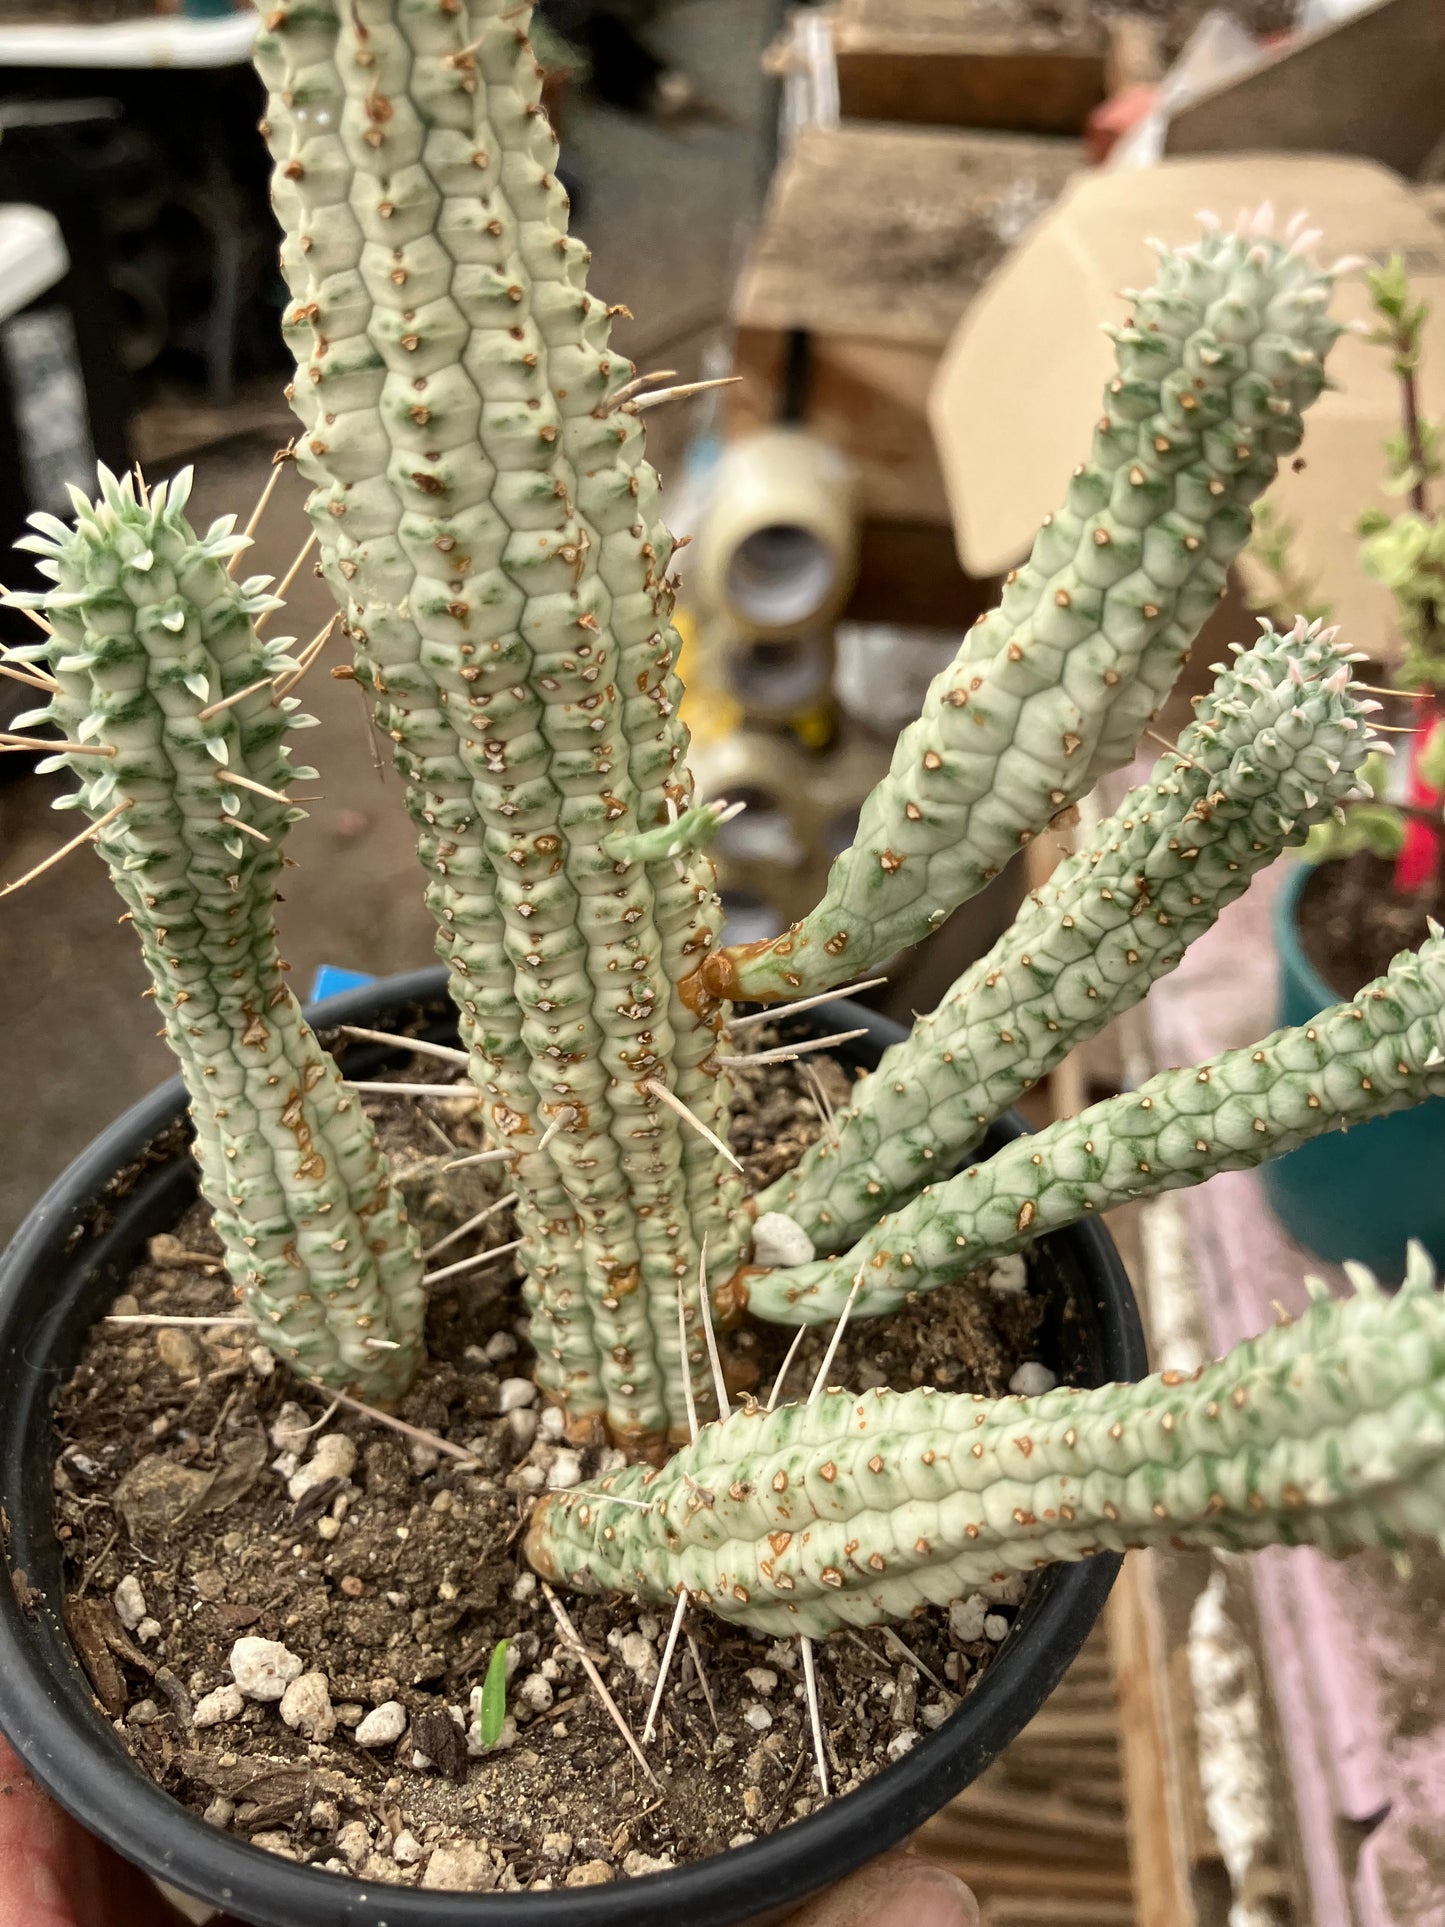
(62, 1735)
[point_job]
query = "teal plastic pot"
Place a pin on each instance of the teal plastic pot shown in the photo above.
(1359, 1193)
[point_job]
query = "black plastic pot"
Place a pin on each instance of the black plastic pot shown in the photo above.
(71, 1257)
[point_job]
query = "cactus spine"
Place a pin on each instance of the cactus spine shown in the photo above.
(1052, 689)
(1381, 1053)
(1273, 749)
(490, 527)
(150, 635)
(847, 1511)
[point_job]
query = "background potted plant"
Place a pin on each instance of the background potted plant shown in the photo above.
(1373, 879)
(484, 512)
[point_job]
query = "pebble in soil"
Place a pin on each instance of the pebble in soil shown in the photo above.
(285, 1609)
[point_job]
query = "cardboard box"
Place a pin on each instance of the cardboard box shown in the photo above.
(1017, 393)
(1371, 85)
(871, 245)
(953, 64)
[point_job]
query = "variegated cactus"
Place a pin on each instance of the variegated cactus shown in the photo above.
(490, 527)
(1329, 1431)
(167, 700)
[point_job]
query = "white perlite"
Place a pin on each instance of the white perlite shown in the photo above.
(264, 1668)
(463, 1866)
(966, 1617)
(214, 1709)
(1032, 1380)
(306, 1707)
(333, 1457)
(383, 1725)
(130, 1602)
(781, 1240)
(1008, 1274)
(514, 1393)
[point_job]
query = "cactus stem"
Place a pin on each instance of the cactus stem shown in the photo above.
(490, 1211)
(674, 1103)
(448, 1053)
(666, 1666)
(87, 835)
(783, 1369)
(788, 1053)
(572, 1639)
(775, 1011)
(815, 1716)
(469, 1264)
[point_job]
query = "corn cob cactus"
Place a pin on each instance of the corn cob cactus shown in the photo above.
(490, 527)
(1054, 687)
(167, 693)
(846, 1511)
(1274, 749)
(1381, 1053)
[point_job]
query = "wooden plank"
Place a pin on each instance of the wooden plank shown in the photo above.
(884, 232)
(873, 241)
(953, 63)
(1163, 1890)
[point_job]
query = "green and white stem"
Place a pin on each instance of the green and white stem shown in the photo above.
(1383, 1052)
(490, 526)
(1054, 687)
(153, 644)
(851, 1511)
(1274, 749)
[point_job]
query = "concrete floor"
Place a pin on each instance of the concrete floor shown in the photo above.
(665, 211)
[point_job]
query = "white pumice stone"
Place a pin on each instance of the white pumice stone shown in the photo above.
(382, 1726)
(781, 1240)
(264, 1668)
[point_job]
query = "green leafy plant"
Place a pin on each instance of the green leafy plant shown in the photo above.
(1405, 554)
(492, 1697)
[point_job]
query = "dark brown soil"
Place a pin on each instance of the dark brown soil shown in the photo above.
(397, 1580)
(1352, 920)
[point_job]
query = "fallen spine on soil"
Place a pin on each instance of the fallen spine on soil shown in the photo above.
(1328, 1431)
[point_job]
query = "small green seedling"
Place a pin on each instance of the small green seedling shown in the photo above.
(491, 1699)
